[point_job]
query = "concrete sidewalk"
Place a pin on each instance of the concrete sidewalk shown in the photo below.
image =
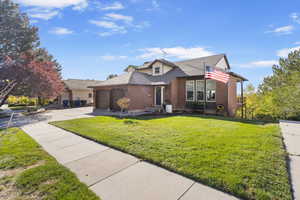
(114, 175)
(291, 134)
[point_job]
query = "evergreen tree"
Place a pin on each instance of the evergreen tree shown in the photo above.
(282, 88)
(16, 33)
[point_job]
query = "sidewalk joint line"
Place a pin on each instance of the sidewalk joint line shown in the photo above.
(114, 173)
(86, 156)
(186, 190)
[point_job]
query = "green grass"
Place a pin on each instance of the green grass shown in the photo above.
(244, 159)
(33, 174)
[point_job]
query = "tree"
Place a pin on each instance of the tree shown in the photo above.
(16, 33)
(280, 92)
(44, 55)
(111, 76)
(130, 68)
(34, 77)
(25, 69)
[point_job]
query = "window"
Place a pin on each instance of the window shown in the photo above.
(190, 87)
(211, 90)
(200, 90)
(157, 70)
(90, 95)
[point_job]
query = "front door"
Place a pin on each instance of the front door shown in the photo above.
(159, 92)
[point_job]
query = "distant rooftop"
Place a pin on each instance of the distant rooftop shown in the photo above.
(80, 84)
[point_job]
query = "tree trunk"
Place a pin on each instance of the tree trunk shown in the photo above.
(40, 101)
(4, 94)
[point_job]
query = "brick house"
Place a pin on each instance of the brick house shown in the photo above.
(180, 84)
(77, 90)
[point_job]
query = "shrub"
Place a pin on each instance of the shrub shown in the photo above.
(123, 103)
(21, 101)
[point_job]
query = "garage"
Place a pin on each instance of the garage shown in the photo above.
(103, 99)
(115, 95)
(107, 98)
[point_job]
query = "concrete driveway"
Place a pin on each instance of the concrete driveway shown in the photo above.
(111, 174)
(52, 115)
(291, 134)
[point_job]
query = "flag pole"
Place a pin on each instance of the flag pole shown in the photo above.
(204, 107)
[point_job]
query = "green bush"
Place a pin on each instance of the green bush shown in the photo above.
(21, 101)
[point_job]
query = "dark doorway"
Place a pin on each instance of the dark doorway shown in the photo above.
(115, 95)
(158, 96)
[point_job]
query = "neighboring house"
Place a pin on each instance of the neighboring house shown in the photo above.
(180, 84)
(77, 90)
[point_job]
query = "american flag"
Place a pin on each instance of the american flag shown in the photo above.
(218, 75)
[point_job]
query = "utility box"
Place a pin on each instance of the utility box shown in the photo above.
(169, 109)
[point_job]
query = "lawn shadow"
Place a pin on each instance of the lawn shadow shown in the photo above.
(20, 120)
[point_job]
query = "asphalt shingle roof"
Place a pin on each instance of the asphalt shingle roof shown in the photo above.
(78, 84)
(193, 67)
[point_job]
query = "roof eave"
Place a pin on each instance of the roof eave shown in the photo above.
(238, 76)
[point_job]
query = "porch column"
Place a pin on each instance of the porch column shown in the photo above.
(242, 96)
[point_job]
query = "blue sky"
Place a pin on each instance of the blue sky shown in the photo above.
(95, 38)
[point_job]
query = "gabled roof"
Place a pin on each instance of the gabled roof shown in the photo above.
(195, 67)
(139, 78)
(192, 67)
(149, 64)
(78, 84)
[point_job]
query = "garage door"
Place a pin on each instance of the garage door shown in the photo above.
(102, 99)
(116, 94)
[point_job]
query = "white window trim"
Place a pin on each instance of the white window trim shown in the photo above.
(195, 92)
(196, 95)
(157, 65)
(159, 72)
(215, 89)
(186, 91)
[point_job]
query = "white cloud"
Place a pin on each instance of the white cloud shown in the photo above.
(112, 27)
(116, 17)
(107, 25)
(111, 57)
(295, 17)
(114, 6)
(175, 52)
(44, 14)
(47, 9)
(285, 52)
(55, 3)
(81, 6)
(296, 43)
(284, 30)
(61, 31)
(260, 63)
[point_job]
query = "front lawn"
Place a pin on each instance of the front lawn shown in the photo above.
(245, 159)
(28, 172)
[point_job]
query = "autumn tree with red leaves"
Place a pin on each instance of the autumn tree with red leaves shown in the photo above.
(25, 69)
